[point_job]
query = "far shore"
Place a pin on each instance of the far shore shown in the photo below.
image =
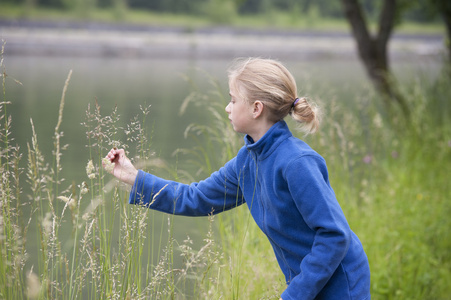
(61, 39)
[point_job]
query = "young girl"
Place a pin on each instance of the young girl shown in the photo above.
(282, 180)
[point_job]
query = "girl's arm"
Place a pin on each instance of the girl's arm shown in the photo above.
(215, 194)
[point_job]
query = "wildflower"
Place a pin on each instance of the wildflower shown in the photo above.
(368, 159)
(395, 154)
(90, 170)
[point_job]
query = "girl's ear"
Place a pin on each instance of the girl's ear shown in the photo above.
(257, 109)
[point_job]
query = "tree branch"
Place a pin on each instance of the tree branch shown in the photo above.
(354, 14)
(373, 50)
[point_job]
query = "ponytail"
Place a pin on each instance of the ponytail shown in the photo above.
(307, 114)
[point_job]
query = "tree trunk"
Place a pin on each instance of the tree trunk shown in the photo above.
(448, 42)
(444, 7)
(373, 50)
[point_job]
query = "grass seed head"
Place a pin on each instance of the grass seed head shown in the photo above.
(109, 166)
(90, 170)
(83, 188)
(33, 285)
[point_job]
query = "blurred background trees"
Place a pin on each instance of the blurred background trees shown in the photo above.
(373, 47)
(419, 11)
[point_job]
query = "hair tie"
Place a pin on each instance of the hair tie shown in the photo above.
(295, 101)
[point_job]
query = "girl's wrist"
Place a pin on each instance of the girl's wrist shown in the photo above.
(132, 177)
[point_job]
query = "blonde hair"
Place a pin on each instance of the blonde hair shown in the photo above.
(271, 83)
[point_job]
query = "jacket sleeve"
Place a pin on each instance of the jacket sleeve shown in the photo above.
(309, 186)
(215, 194)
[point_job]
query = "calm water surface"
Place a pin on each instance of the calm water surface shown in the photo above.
(129, 83)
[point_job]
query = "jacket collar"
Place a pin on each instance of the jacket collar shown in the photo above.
(270, 140)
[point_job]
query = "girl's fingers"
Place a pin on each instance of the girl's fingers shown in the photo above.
(112, 155)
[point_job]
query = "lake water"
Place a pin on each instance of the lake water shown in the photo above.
(127, 83)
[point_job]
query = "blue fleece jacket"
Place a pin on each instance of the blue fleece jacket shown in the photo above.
(286, 187)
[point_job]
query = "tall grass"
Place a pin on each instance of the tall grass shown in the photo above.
(87, 242)
(391, 180)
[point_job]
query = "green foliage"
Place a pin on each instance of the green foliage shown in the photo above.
(200, 14)
(220, 11)
(224, 11)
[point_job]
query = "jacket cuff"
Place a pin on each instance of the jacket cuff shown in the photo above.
(136, 193)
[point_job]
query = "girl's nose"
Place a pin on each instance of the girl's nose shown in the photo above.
(227, 108)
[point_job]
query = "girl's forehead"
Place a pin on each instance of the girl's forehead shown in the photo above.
(232, 90)
(234, 86)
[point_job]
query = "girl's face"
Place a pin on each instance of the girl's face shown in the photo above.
(240, 113)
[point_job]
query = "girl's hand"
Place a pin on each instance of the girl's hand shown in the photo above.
(122, 168)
